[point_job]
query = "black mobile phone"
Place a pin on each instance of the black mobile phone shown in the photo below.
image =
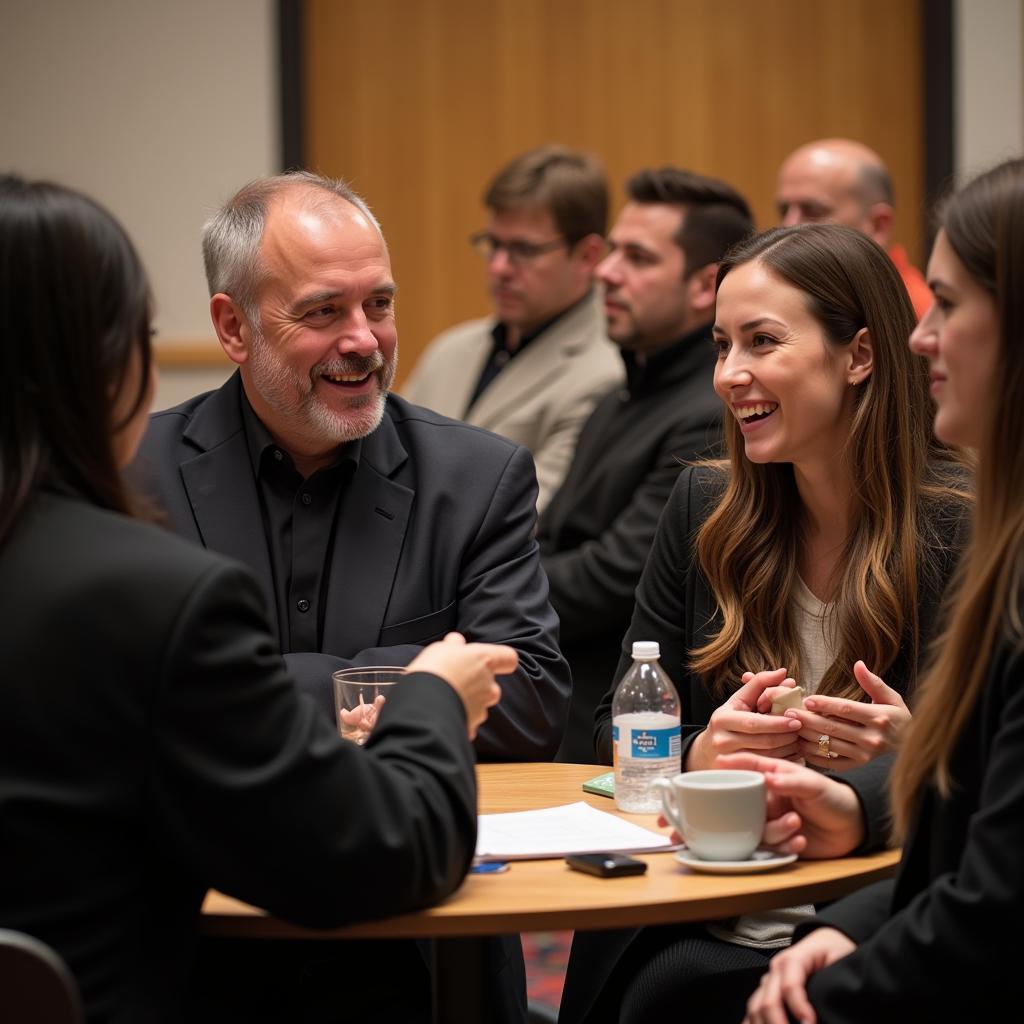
(606, 865)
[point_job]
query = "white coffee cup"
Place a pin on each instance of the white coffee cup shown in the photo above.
(720, 814)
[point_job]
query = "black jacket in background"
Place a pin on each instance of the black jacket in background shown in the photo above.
(152, 745)
(595, 534)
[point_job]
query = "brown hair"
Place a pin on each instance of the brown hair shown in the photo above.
(569, 183)
(984, 224)
(715, 217)
(747, 549)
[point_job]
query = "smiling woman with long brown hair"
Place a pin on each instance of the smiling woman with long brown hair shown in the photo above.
(822, 543)
(827, 535)
(766, 535)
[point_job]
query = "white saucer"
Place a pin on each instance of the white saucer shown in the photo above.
(762, 860)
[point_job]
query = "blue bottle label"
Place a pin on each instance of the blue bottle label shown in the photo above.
(655, 742)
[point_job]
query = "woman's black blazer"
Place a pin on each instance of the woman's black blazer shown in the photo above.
(152, 746)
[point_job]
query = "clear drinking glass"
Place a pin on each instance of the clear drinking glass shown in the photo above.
(359, 694)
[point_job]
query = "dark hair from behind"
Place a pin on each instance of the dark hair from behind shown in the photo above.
(74, 311)
(716, 216)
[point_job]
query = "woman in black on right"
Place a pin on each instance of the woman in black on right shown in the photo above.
(942, 942)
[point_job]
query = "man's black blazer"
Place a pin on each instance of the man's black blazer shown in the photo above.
(595, 534)
(435, 533)
(152, 745)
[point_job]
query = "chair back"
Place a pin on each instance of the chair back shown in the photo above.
(35, 985)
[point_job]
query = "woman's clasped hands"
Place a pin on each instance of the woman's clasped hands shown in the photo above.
(836, 733)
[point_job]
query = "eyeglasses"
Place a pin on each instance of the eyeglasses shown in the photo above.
(517, 251)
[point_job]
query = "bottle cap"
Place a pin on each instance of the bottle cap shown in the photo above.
(646, 650)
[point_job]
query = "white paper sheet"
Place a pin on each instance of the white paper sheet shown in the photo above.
(557, 831)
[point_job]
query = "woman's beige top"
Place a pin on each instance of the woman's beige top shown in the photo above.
(815, 630)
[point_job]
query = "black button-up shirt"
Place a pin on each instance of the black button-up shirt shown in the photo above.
(299, 519)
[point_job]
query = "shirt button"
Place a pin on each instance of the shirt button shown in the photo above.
(302, 604)
(307, 498)
(278, 454)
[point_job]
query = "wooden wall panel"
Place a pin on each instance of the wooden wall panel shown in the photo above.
(418, 102)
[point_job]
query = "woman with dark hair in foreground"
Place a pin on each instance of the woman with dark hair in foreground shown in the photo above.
(151, 742)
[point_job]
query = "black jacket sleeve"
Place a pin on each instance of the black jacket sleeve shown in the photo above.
(951, 946)
(252, 788)
(592, 586)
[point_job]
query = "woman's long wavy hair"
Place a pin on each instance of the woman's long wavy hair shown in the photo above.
(74, 310)
(748, 548)
(984, 225)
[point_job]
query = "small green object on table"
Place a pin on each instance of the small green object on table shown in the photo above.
(601, 785)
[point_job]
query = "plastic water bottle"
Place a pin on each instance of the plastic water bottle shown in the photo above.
(645, 731)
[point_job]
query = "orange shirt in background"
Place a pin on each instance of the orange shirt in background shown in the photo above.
(920, 293)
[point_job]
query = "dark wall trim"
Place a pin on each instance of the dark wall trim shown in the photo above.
(939, 114)
(292, 86)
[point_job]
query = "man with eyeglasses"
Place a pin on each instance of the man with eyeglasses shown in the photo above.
(659, 294)
(534, 370)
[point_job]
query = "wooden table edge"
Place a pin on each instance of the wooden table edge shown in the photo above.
(224, 915)
(505, 903)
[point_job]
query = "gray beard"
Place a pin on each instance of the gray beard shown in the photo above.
(293, 396)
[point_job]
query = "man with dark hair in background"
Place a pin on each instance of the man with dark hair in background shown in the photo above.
(534, 370)
(659, 297)
(840, 181)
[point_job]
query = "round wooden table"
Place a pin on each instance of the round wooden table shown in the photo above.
(546, 895)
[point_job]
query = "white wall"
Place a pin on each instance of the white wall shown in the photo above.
(988, 83)
(160, 110)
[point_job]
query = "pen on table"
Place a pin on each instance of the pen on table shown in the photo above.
(489, 867)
